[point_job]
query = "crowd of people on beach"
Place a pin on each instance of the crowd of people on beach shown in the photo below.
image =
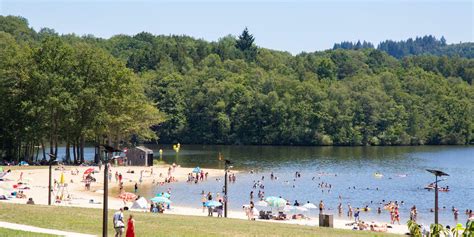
(256, 194)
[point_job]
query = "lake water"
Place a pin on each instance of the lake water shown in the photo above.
(403, 168)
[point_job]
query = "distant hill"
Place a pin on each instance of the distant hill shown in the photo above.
(426, 45)
(231, 91)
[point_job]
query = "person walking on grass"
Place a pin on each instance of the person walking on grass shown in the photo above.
(118, 223)
(220, 209)
(130, 227)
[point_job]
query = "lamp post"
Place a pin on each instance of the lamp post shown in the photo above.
(227, 166)
(437, 174)
(52, 158)
(108, 150)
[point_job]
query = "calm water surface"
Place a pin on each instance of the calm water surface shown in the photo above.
(354, 167)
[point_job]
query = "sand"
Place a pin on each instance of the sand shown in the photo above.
(37, 180)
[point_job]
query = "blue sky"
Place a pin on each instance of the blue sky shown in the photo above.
(292, 26)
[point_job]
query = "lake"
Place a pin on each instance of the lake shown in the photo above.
(403, 168)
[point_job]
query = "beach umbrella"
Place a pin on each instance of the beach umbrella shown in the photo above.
(128, 196)
(287, 208)
(212, 204)
(310, 206)
(166, 195)
(301, 208)
(88, 171)
(197, 170)
(161, 200)
(277, 202)
(270, 198)
(262, 204)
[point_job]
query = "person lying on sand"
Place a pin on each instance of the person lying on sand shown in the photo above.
(378, 228)
(362, 225)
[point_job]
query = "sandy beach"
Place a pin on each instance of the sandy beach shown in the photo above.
(37, 181)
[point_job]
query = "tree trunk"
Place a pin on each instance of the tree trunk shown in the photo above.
(18, 152)
(68, 152)
(56, 147)
(44, 150)
(51, 144)
(78, 151)
(37, 152)
(74, 152)
(82, 148)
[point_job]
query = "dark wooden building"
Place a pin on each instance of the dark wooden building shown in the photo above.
(140, 156)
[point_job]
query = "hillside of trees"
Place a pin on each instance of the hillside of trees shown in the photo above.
(426, 45)
(66, 88)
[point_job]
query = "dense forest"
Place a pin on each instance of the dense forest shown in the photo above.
(426, 45)
(54, 92)
(66, 88)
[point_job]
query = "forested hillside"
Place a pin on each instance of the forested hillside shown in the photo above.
(234, 92)
(426, 45)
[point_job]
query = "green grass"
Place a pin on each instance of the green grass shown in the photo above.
(18, 233)
(89, 221)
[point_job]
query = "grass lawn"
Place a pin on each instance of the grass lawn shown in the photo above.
(8, 232)
(89, 221)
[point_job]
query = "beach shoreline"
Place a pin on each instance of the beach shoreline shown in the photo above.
(37, 180)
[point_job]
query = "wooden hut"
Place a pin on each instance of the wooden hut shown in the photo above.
(140, 156)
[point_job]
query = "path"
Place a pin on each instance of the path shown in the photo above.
(29, 228)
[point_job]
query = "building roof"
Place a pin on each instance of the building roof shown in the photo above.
(142, 148)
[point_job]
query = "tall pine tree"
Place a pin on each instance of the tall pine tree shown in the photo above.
(245, 44)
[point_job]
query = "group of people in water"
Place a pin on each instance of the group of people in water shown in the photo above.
(391, 207)
(199, 176)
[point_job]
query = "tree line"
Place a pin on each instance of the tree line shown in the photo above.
(426, 45)
(54, 92)
(66, 88)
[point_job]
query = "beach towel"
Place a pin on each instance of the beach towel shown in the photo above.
(3, 175)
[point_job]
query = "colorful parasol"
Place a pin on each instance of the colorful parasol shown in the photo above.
(128, 196)
(88, 171)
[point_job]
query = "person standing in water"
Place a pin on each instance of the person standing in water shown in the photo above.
(413, 213)
(357, 215)
(339, 208)
(203, 200)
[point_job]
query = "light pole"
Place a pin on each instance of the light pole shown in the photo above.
(52, 158)
(437, 174)
(227, 166)
(108, 150)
